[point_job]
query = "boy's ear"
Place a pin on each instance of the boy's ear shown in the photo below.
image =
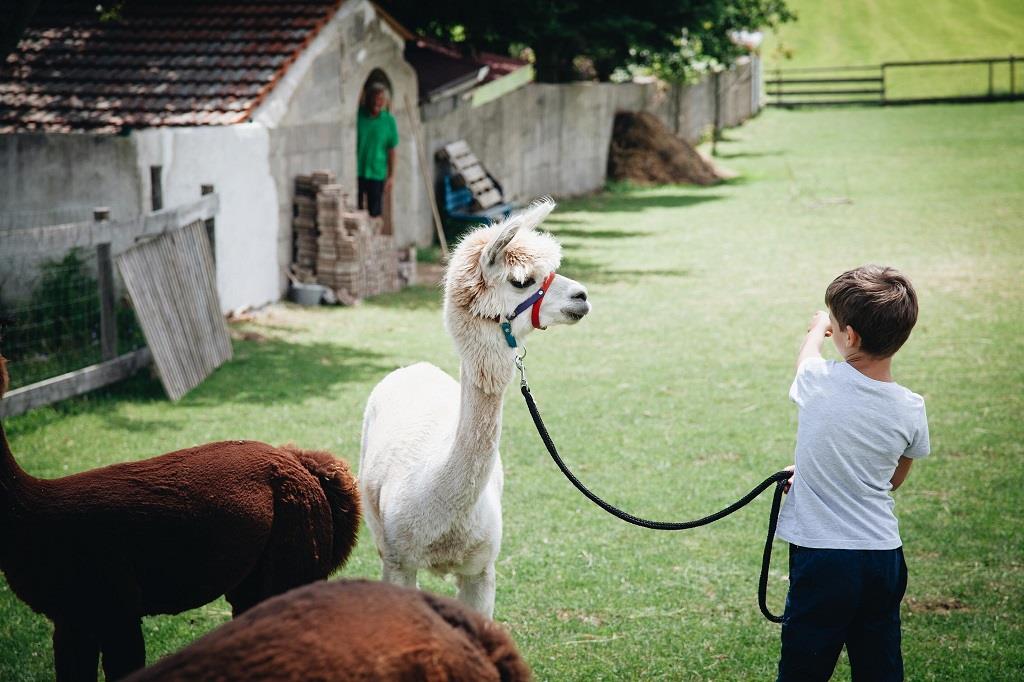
(852, 337)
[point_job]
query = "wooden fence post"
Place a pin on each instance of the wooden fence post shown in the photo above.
(105, 286)
(156, 187)
(718, 107)
(211, 232)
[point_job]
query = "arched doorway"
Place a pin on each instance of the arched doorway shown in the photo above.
(375, 147)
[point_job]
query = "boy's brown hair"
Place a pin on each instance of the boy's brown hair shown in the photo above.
(879, 302)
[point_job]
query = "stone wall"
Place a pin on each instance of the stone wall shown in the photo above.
(54, 180)
(554, 139)
(49, 179)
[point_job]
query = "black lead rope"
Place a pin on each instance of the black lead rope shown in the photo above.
(779, 479)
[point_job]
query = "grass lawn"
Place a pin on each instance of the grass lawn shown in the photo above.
(838, 32)
(670, 400)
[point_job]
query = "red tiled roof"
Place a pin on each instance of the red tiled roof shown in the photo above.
(440, 66)
(500, 65)
(173, 63)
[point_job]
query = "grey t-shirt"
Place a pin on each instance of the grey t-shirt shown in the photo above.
(852, 432)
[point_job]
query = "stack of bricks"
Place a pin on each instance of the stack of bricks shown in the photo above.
(354, 258)
(305, 222)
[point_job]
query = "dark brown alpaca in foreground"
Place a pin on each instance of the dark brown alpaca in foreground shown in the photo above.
(96, 551)
(346, 631)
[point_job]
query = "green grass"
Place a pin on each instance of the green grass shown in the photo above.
(864, 32)
(670, 400)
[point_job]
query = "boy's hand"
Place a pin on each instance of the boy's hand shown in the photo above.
(822, 321)
(789, 483)
(818, 330)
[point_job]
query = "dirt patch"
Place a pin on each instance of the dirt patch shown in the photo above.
(645, 151)
(941, 605)
(243, 335)
(585, 618)
(716, 458)
(430, 274)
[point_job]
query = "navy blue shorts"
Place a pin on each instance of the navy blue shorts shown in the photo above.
(843, 596)
(371, 195)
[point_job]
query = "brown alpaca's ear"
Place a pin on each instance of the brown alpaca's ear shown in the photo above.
(3, 376)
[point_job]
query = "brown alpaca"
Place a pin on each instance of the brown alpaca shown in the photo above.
(96, 551)
(346, 631)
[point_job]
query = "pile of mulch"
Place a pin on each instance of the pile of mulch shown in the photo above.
(645, 151)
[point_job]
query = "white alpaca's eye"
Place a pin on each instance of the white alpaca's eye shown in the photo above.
(525, 283)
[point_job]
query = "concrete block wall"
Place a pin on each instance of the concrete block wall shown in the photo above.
(48, 179)
(45, 176)
(554, 139)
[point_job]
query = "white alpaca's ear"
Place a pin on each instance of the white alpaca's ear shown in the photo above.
(497, 246)
(527, 219)
(534, 214)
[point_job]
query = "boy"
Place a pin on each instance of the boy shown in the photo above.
(858, 434)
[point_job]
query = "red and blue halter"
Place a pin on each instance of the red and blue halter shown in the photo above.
(533, 301)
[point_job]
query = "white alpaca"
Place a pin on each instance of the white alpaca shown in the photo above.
(429, 471)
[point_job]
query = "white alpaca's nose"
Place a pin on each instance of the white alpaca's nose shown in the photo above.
(578, 305)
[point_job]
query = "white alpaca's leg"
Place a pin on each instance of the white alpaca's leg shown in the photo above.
(398, 575)
(477, 591)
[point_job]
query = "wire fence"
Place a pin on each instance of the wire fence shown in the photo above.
(50, 319)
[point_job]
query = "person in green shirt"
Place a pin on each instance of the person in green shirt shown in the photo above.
(376, 139)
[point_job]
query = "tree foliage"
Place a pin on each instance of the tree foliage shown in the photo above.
(606, 34)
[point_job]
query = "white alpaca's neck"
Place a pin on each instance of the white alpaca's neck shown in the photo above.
(461, 478)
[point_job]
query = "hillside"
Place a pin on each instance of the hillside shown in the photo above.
(838, 32)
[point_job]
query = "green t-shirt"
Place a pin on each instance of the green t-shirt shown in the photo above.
(374, 137)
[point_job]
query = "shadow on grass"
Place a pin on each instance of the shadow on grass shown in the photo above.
(142, 387)
(417, 297)
(276, 371)
(615, 202)
(261, 372)
(557, 220)
(570, 232)
(745, 155)
(590, 272)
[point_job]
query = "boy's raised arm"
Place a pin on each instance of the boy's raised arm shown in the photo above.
(817, 330)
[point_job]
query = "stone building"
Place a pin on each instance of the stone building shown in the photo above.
(137, 111)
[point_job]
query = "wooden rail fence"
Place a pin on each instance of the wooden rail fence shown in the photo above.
(871, 85)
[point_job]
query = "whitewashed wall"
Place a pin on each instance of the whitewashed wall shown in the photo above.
(234, 159)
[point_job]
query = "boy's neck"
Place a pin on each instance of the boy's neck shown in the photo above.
(879, 369)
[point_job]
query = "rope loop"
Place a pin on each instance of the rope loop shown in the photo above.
(778, 479)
